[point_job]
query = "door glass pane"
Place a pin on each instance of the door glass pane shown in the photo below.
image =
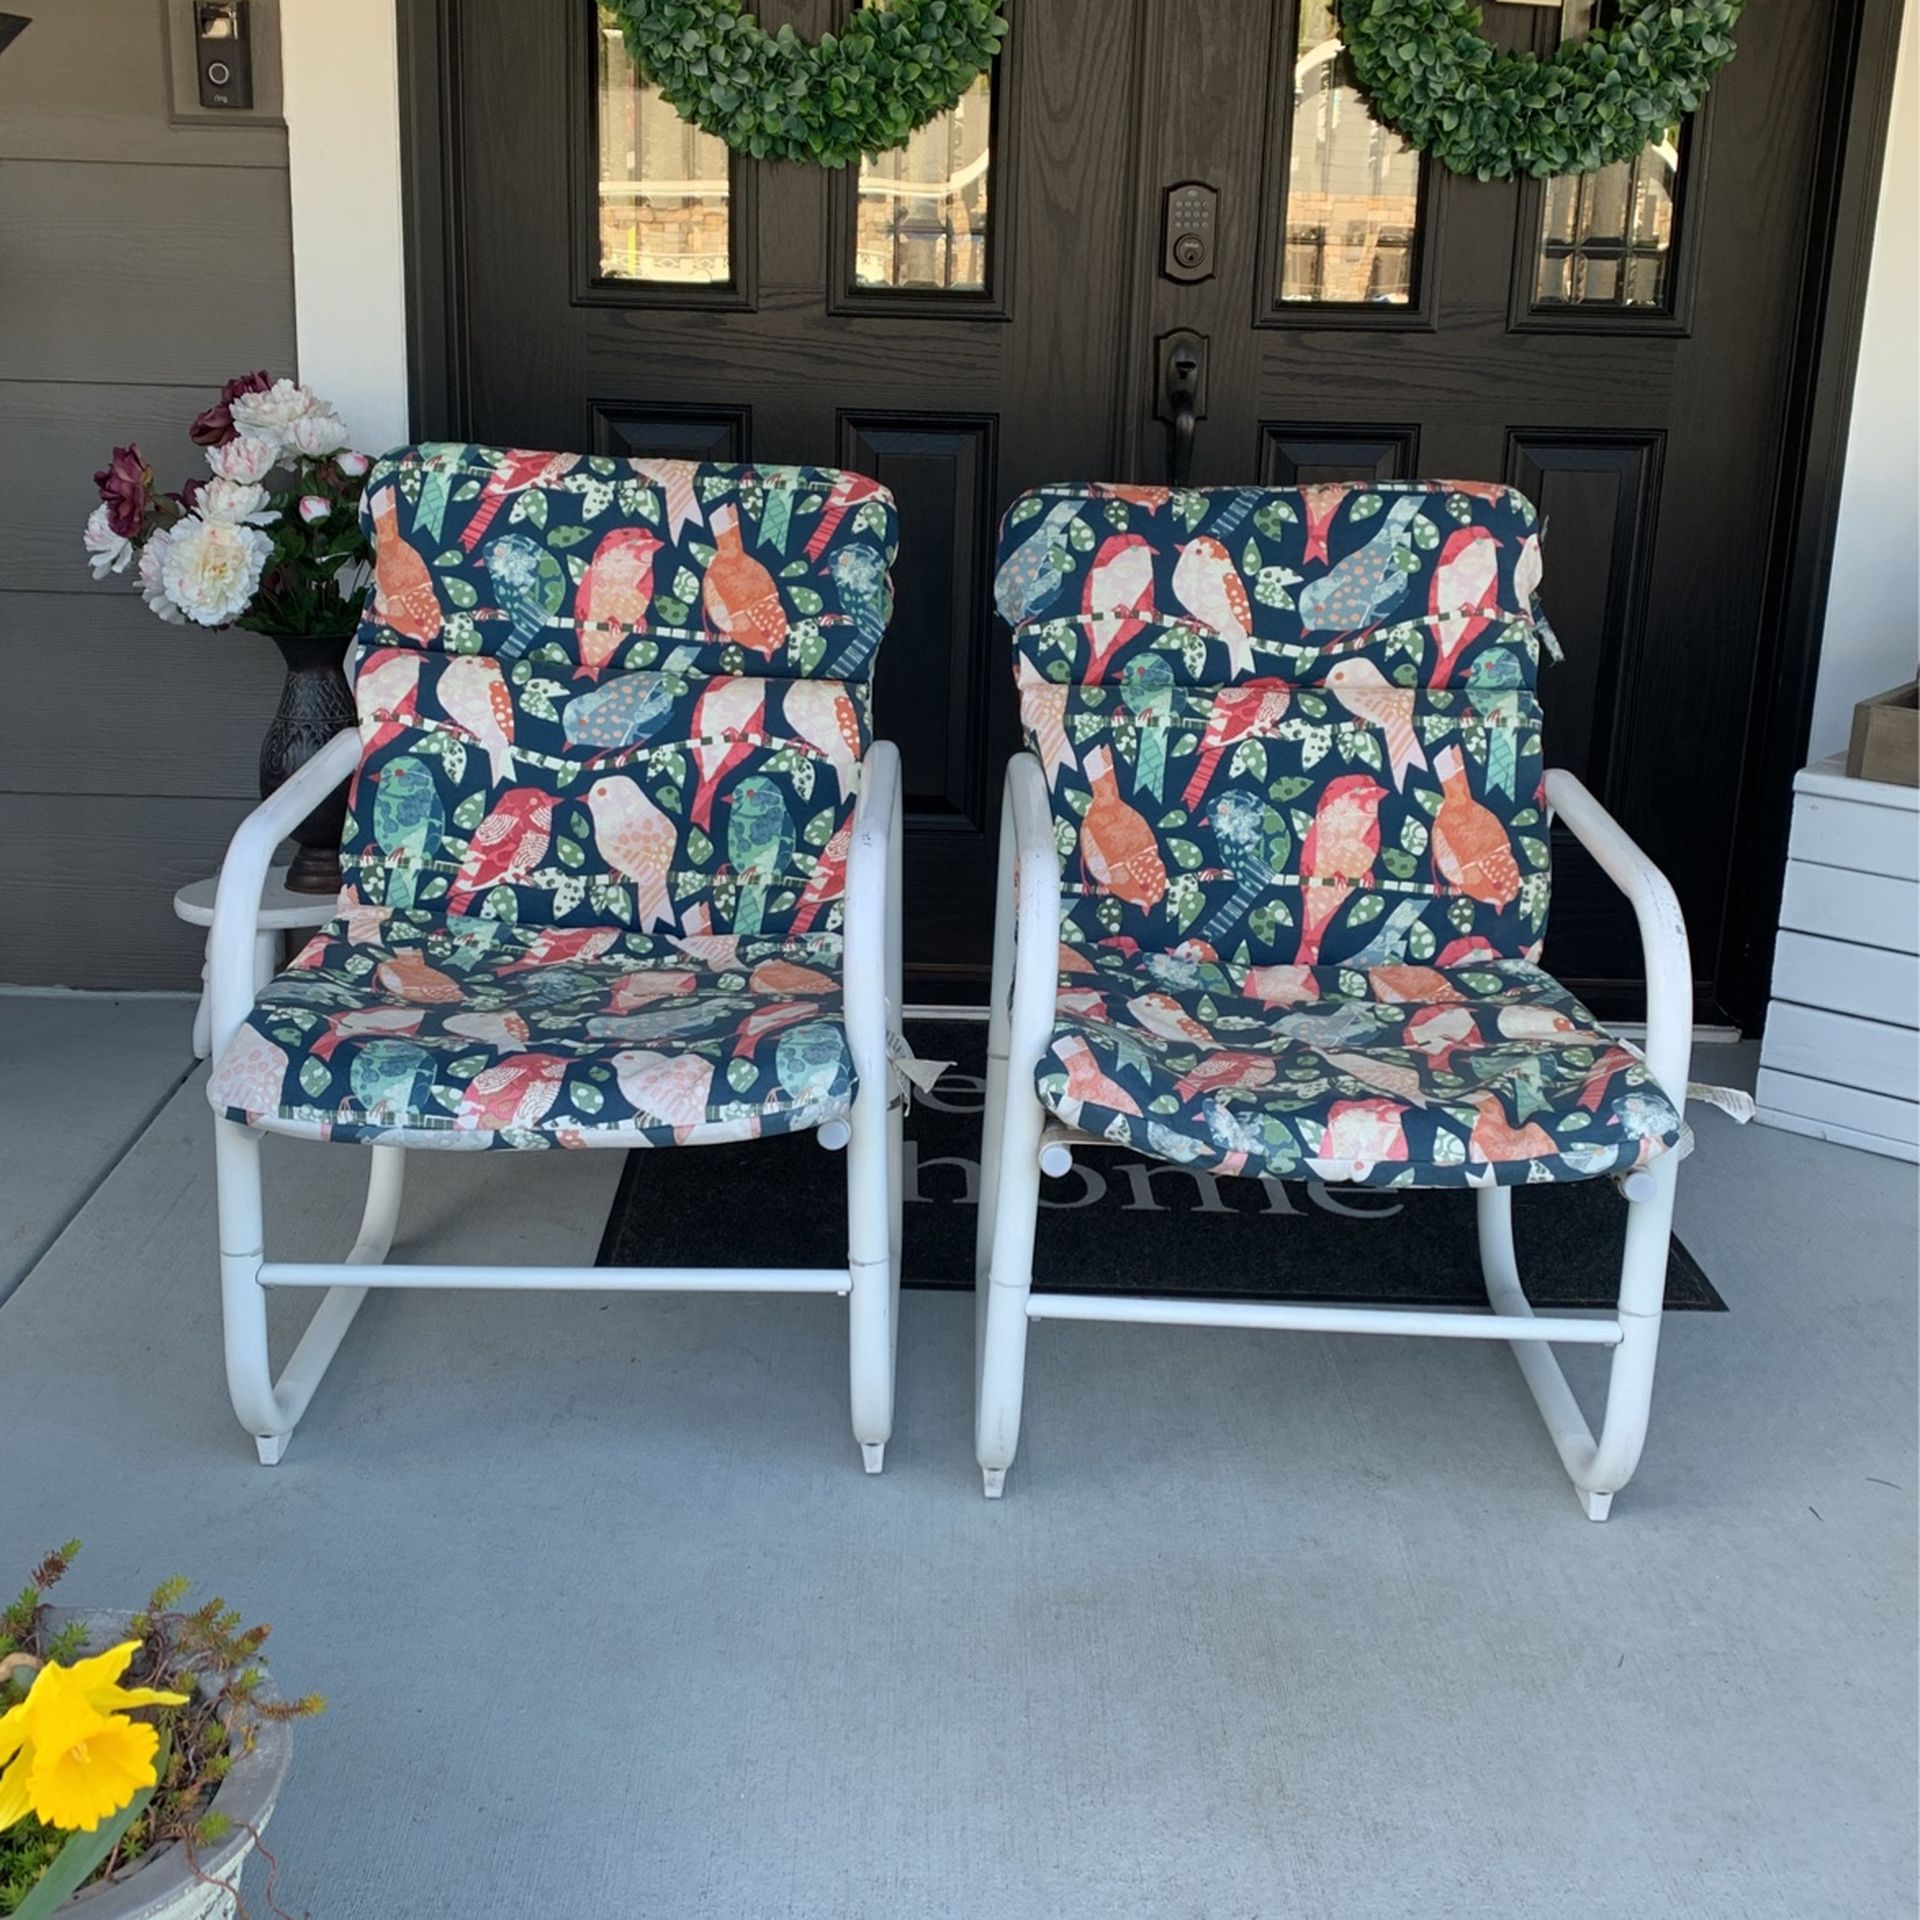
(1606, 238)
(663, 184)
(1353, 187)
(922, 221)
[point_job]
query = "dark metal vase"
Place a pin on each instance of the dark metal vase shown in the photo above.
(315, 704)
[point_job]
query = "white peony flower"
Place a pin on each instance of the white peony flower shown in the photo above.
(247, 457)
(211, 570)
(353, 465)
(107, 551)
(153, 560)
(314, 506)
(318, 433)
(272, 414)
(235, 503)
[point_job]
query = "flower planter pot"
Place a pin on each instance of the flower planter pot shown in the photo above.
(315, 704)
(164, 1886)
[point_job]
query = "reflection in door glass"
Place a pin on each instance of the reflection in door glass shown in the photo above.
(663, 184)
(922, 222)
(1606, 238)
(1353, 187)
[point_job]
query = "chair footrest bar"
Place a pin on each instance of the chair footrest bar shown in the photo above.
(321, 1273)
(1302, 1317)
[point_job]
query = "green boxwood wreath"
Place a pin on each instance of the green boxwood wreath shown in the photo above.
(825, 102)
(1427, 72)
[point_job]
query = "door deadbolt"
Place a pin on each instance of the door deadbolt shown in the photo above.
(1191, 215)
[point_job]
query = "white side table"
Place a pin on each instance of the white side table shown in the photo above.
(280, 912)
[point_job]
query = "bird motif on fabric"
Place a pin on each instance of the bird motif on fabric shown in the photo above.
(513, 473)
(502, 1031)
(785, 976)
(1401, 1083)
(1162, 1014)
(770, 1019)
(729, 711)
(1359, 1135)
(1252, 710)
(473, 695)
(250, 1076)
(1371, 698)
(361, 1023)
(1471, 851)
(386, 695)
(1322, 504)
(675, 480)
(1119, 591)
(760, 844)
(1593, 1090)
(740, 600)
(410, 977)
(389, 1080)
(1226, 1070)
(630, 709)
(1087, 1082)
(665, 1089)
(1495, 1139)
(822, 713)
(404, 596)
(1361, 590)
(1526, 594)
(1033, 573)
(1146, 691)
(827, 882)
(1043, 715)
(1534, 1023)
(648, 987)
(1117, 847)
(557, 946)
(1493, 681)
(1407, 985)
(507, 846)
(1149, 499)
(1208, 586)
(859, 574)
(1257, 845)
(408, 824)
(1337, 856)
(1464, 597)
(516, 1092)
(1282, 985)
(614, 594)
(812, 1066)
(1391, 938)
(637, 841)
(696, 1017)
(529, 584)
(1440, 1032)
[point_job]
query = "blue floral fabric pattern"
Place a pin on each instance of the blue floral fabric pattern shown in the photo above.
(1294, 733)
(612, 715)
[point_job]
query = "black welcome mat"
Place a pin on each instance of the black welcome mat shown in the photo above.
(1119, 1222)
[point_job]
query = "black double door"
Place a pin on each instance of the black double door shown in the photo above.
(1145, 184)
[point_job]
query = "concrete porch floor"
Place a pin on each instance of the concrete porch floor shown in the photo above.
(612, 1623)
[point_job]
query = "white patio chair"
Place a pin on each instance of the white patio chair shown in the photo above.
(1273, 880)
(622, 869)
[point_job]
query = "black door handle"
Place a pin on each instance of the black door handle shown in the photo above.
(1183, 360)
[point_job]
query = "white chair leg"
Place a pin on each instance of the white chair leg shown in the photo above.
(872, 1304)
(1598, 1469)
(268, 1411)
(1000, 1292)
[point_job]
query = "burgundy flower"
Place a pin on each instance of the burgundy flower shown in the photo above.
(126, 485)
(214, 427)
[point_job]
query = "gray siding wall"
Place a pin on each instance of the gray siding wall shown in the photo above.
(141, 263)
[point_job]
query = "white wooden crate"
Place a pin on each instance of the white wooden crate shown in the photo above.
(1841, 1058)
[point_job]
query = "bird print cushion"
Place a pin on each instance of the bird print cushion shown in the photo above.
(1289, 725)
(1294, 757)
(609, 692)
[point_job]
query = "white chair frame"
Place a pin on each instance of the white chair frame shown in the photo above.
(870, 1280)
(1021, 1142)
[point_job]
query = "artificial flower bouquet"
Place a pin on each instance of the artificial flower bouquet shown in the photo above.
(270, 540)
(109, 1759)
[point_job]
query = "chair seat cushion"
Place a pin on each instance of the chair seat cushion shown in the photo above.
(421, 1030)
(1388, 1076)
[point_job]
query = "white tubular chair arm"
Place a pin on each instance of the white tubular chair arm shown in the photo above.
(867, 879)
(1663, 932)
(1036, 965)
(243, 877)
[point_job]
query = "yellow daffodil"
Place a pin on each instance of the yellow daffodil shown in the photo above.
(68, 1754)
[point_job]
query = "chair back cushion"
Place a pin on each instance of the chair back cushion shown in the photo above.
(610, 692)
(1290, 726)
